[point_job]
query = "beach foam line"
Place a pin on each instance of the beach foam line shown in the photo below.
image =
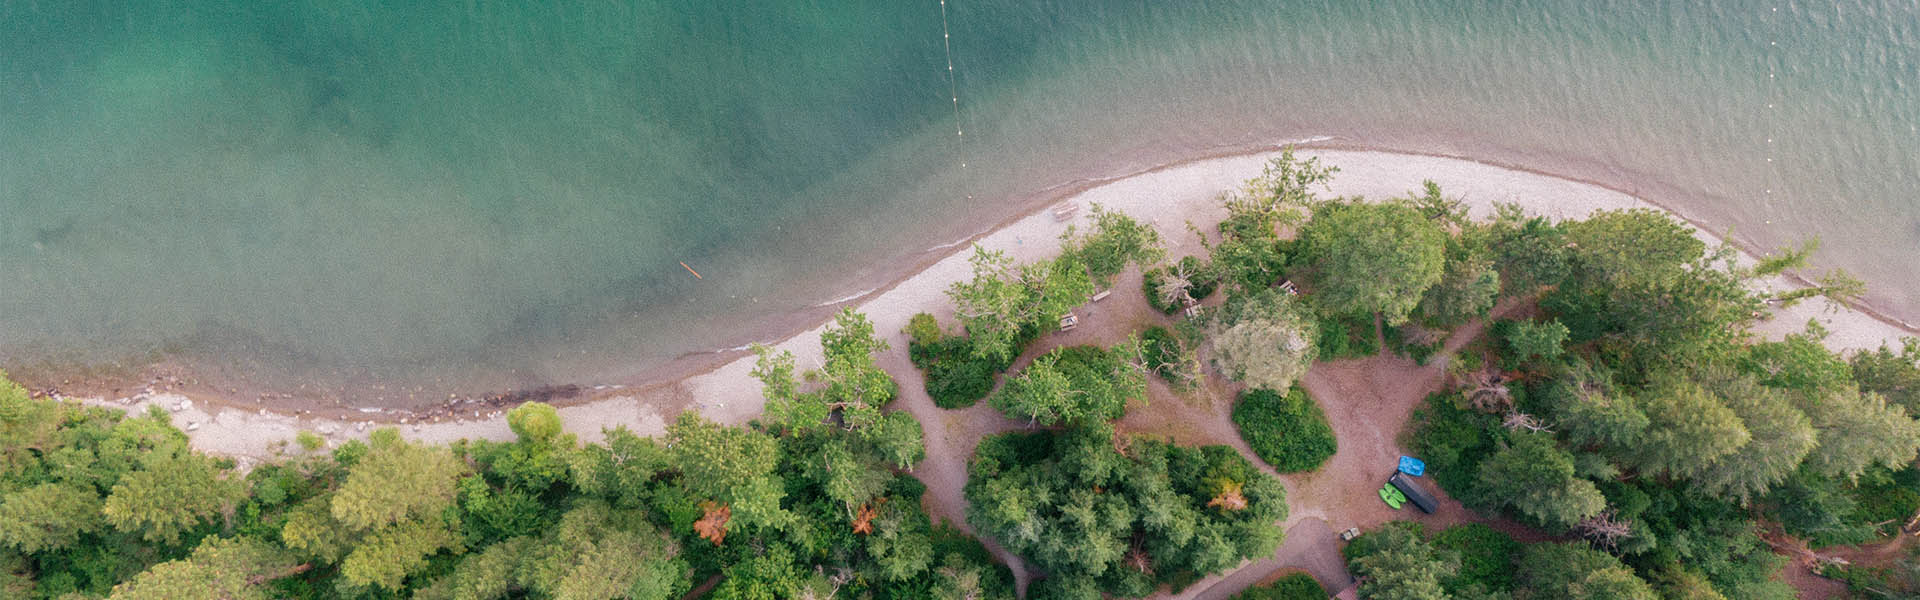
(1313, 139)
(969, 239)
(854, 296)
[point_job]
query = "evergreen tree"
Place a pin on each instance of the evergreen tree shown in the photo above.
(1857, 430)
(1690, 430)
(1535, 477)
(225, 568)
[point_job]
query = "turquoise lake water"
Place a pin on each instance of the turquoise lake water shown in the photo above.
(491, 194)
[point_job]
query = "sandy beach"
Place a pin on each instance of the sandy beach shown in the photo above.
(1167, 197)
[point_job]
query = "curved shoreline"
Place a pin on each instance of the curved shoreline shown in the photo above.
(1166, 196)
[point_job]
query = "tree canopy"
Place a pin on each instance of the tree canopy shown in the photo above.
(1262, 339)
(1372, 258)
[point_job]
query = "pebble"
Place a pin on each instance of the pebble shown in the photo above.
(192, 425)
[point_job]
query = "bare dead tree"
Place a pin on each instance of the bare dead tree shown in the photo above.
(1518, 420)
(1176, 285)
(1487, 391)
(1605, 529)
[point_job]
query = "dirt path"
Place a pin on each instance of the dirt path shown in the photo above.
(1311, 546)
(950, 439)
(1368, 403)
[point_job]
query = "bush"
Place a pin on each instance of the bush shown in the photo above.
(1162, 350)
(1289, 432)
(1886, 499)
(1298, 586)
(1486, 556)
(1415, 341)
(1453, 441)
(955, 377)
(1347, 337)
(922, 330)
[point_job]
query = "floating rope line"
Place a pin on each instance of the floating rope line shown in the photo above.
(953, 85)
(1773, 100)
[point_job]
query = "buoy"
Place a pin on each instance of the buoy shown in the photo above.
(696, 274)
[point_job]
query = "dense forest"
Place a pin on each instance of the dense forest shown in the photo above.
(799, 505)
(1618, 410)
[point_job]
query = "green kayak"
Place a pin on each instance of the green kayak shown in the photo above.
(1392, 496)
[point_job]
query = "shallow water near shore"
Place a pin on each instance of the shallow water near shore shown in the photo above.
(485, 197)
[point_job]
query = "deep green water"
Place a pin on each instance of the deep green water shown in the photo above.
(500, 194)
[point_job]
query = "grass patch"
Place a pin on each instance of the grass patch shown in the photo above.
(1289, 432)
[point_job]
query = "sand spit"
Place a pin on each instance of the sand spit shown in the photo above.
(1168, 198)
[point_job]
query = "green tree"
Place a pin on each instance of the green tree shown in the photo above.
(596, 553)
(1373, 258)
(1894, 376)
(1690, 430)
(1262, 339)
(900, 544)
(485, 575)
(1116, 241)
(713, 459)
(1283, 188)
(226, 568)
(1077, 384)
(730, 465)
(1529, 252)
(850, 382)
(1395, 562)
(1248, 256)
(1859, 430)
(1632, 248)
(1467, 288)
(1575, 571)
(992, 306)
(899, 440)
(48, 517)
(1781, 436)
(173, 492)
(1535, 477)
(1544, 339)
(397, 481)
(535, 422)
(621, 469)
(387, 555)
(1592, 411)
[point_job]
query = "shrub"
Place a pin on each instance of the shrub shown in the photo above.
(1163, 352)
(922, 330)
(955, 377)
(1486, 556)
(1347, 337)
(1415, 341)
(1453, 441)
(1298, 586)
(1885, 499)
(1289, 432)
